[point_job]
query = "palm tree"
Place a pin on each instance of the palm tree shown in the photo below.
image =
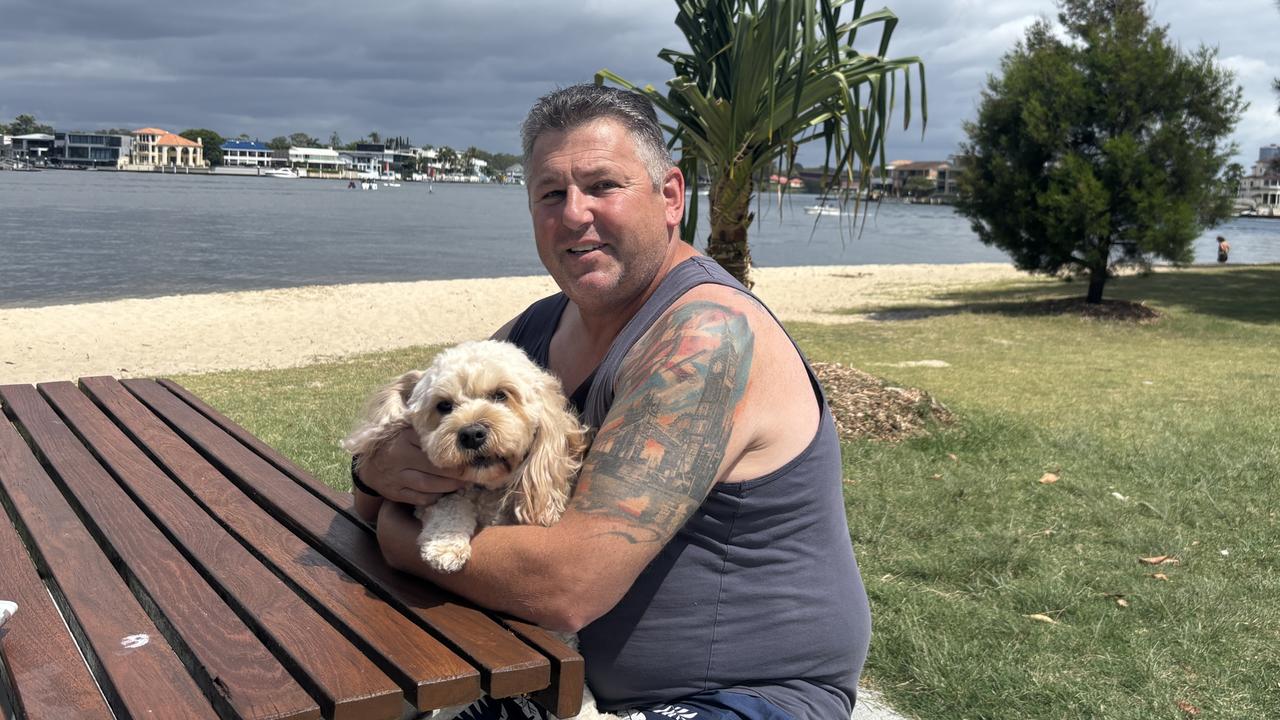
(448, 158)
(762, 78)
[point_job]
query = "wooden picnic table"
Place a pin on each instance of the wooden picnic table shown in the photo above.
(168, 564)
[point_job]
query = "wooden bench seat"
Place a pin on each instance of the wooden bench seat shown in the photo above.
(195, 568)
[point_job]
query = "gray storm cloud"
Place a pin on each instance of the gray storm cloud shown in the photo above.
(463, 73)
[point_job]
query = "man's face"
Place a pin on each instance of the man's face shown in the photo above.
(601, 228)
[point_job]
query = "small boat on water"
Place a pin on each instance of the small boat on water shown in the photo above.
(281, 173)
(823, 210)
(1263, 213)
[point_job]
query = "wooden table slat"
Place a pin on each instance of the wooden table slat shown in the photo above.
(141, 672)
(568, 672)
(189, 587)
(508, 666)
(339, 500)
(44, 666)
(430, 675)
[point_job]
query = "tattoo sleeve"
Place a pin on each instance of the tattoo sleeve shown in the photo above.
(659, 451)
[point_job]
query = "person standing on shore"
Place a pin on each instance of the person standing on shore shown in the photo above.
(705, 558)
(1224, 248)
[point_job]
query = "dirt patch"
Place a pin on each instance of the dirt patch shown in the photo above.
(866, 407)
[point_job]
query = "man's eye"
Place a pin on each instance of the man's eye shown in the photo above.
(553, 195)
(498, 396)
(444, 407)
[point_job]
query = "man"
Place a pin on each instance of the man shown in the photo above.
(705, 557)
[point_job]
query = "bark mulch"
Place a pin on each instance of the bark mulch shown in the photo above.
(1112, 310)
(866, 407)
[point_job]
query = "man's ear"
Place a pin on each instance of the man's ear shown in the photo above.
(673, 196)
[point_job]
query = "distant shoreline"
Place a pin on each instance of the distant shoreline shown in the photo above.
(72, 302)
(260, 329)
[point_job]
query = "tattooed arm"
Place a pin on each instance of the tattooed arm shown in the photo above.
(662, 445)
(670, 435)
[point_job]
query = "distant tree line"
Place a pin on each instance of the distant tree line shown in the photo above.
(24, 125)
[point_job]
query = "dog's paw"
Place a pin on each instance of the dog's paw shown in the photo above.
(447, 553)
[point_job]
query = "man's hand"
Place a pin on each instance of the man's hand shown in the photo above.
(401, 472)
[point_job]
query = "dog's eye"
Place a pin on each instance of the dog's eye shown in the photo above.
(499, 396)
(444, 407)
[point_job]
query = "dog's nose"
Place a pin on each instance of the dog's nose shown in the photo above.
(473, 436)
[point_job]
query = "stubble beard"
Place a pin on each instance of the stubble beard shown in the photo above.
(632, 280)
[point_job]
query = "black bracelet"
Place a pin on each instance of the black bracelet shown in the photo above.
(356, 482)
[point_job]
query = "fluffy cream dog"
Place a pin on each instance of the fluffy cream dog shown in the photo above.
(485, 410)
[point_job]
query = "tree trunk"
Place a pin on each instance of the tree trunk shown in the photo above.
(730, 217)
(1097, 279)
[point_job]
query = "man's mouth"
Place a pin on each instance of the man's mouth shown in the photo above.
(584, 249)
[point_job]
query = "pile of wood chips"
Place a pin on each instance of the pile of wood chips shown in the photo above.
(1112, 310)
(865, 407)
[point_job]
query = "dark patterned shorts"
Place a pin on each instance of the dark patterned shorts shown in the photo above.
(712, 705)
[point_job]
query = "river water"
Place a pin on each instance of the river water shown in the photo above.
(69, 237)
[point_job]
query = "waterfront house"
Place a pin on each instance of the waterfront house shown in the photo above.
(1260, 190)
(793, 183)
(91, 149)
(156, 149)
(940, 173)
(317, 161)
(367, 158)
(370, 159)
(246, 153)
(32, 148)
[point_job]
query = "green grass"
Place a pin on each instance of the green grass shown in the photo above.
(1179, 417)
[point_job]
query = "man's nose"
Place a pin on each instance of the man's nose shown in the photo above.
(577, 209)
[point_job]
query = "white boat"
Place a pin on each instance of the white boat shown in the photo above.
(822, 210)
(281, 173)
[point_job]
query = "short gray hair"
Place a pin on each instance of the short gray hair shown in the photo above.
(568, 108)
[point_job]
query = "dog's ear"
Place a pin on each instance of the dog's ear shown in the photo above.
(544, 481)
(384, 417)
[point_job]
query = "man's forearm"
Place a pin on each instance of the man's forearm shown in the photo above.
(367, 506)
(523, 570)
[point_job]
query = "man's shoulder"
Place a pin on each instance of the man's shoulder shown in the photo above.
(703, 318)
(715, 295)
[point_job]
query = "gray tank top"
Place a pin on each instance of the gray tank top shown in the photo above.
(758, 592)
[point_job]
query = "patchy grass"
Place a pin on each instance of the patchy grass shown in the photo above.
(1163, 436)
(1164, 439)
(303, 412)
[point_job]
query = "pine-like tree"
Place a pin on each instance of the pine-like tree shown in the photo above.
(1101, 150)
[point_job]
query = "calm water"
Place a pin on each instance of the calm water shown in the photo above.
(80, 236)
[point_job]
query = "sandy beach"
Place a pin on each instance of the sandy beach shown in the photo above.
(298, 326)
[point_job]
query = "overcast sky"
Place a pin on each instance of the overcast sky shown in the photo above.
(463, 73)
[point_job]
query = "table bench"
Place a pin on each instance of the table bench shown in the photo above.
(168, 564)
